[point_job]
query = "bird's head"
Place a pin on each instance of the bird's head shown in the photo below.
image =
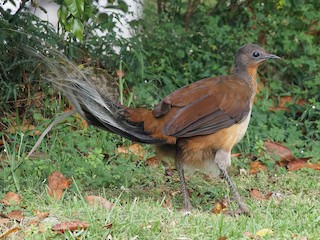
(252, 55)
(248, 59)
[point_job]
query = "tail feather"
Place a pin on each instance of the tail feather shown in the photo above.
(97, 108)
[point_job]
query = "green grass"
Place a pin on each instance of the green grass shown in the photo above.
(139, 191)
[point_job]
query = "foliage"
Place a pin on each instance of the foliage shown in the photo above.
(177, 42)
(89, 37)
(16, 66)
(168, 55)
(76, 16)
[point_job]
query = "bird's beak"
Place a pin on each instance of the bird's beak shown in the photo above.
(271, 56)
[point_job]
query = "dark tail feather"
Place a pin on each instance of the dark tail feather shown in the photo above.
(99, 110)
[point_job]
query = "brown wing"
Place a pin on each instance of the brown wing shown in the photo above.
(205, 107)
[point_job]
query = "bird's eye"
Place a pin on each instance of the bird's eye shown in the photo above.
(256, 54)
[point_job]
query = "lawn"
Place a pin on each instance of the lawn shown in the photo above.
(145, 193)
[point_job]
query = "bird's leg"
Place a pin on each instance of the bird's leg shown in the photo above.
(184, 190)
(243, 207)
(222, 157)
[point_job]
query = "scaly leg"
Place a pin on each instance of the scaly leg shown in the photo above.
(223, 159)
(243, 207)
(184, 190)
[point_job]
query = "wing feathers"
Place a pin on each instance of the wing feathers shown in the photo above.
(205, 107)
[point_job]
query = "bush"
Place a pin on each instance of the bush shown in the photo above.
(168, 54)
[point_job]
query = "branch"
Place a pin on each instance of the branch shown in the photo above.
(192, 7)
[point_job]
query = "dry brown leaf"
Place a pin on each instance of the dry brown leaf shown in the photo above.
(302, 163)
(256, 167)
(80, 120)
(108, 225)
(135, 149)
(168, 172)
(6, 234)
(282, 105)
(57, 182)
(279, 151)
(4, 220)
(40, 216)
(249, 235)
(175, 193)
(15, 215)
(71, 226)
(24, 128)
(99, 201)
(236, 155)
(1, 142)
(167, 202)
(222, 238)
(120, 73)
(256, 194)
(153, 162)
(296, 164)
(220, 206)
(11, 198)
(315, 166)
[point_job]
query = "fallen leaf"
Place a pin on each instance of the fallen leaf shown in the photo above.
(175, 193)
(249, 235)
(57, 182)
(278, 151)
(264, 232)
(256, 167)
(296, 164)
(256, 194)
(81, 121)
(302, 163)
(153, 162)
(108, 225)
(15, 215)
(120, 73)
(135, 149)
(99, 201)
(40, 216)
(71, 226)
(11, 198)
(222, 238)
(236, 155)
(9, 232)
(27, 127)
(167, 202)
(4, 220)
(315, 166)
(283, 102)
(220, 206)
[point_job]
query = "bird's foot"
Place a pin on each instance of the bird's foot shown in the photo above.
(186, 211)
(242, 210)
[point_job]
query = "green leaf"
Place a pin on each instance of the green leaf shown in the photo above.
(76, 7)
(123, 6)
(103, 17)
(88, 11)
(63, 14)
(180, 54)
(77, 29)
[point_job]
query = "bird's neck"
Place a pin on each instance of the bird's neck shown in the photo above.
(248, 74)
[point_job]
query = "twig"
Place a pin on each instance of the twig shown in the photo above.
(55, 122)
